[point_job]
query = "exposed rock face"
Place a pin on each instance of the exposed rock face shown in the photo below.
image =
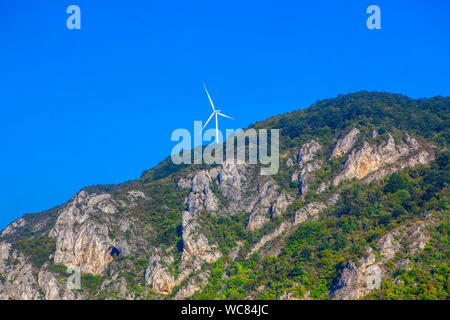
(194, 284)
(308, 212)
(266, 196)
(354, 282)
(283, 227)
(421, 157)
(289, 162)
(308, 165)
(201, 192)
(322, 187)
(414, 237)
(196, 247)
(12, 228)
(94, 225)
(308, 151)
(231, 178)
(374, 134)
(20, 283)
(346, 144)
(369, 159)
(357, 281)
(136, 195)
(281, 203)
(158, 275)
(4, 252)
(244, 191)
(248, 192)
(269, 201)
(49, 285)
(81, 241)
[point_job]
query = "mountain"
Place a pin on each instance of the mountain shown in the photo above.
(359, 209)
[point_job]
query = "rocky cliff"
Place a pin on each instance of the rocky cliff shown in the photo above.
(171, 235)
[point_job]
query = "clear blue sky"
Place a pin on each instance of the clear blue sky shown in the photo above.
(98, 105)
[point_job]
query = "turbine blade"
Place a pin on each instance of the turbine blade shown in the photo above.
(224, 115)
(208, 120)
(212, 104)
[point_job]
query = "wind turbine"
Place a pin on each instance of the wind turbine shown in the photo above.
(215, 113)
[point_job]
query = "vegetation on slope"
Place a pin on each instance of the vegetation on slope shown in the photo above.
(314, 255)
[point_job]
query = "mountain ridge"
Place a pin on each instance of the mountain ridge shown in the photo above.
(196, 231)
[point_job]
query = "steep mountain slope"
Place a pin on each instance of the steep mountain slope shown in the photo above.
(358, 209)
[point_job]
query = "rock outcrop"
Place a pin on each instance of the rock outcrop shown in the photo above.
(160, 236)
(375, 160)
(308, 163)
(357, 280)
(269, 202)
(19, 281)
(309, 212)
(345, 144)
(197, 249)
(157, 275)
(80, 240)
(49, 285)
(12, 228)
(194, 284)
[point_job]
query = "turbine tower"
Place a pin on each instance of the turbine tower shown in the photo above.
(215, 113)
